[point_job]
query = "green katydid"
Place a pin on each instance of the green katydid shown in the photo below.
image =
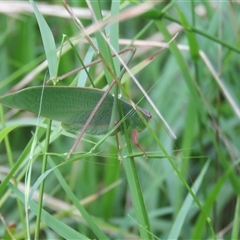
(73, 105)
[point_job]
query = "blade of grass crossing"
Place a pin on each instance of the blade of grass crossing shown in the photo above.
(58, 226)
(186, 206)
(102, 44)
(208, 205)
(112, 174)
(51, 54)
(205, 34)
(106, 55)
(192, 90)
(114, 34)
(75, 200)
(18, 163)
(193, 44)
(44, 167)
(135, 190)
(198, 102)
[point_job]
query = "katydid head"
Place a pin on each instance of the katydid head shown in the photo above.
(138, 124)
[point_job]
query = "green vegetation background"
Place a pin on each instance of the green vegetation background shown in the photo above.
(189, 186)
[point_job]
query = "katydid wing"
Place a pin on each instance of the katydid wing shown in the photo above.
(72, 106)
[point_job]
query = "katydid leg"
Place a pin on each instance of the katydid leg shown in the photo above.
(135, 140)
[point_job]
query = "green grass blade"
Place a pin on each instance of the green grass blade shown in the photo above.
(136, 191)
(236, 228)
(137, 198)
(187, 205)
(7, 130)
(206, 35)
(193, 44)
(18, 163)
(44, 166)
(75, 200)
(102, 44)
(58, 226)
(48, 41)
(208, 206)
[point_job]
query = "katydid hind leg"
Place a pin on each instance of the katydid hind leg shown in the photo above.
(135, 140)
